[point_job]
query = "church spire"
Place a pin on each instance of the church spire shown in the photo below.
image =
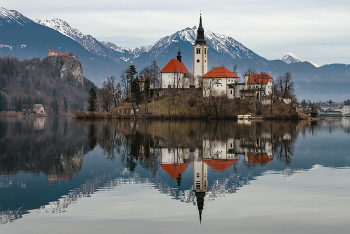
(200, 33)
(179, 55)
(200, 203)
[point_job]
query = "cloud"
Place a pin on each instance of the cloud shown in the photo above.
(269, 28)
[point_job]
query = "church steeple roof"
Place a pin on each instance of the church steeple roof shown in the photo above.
(200, 203)
(179, 56)
(200, 33)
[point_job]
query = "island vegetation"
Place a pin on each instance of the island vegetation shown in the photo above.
(131, 98)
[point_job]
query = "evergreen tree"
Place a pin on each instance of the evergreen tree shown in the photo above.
(130, 73)
(92, 100)
(54, 105)
(135, 90)
(3, 102)
(91, 136)
(146, 88)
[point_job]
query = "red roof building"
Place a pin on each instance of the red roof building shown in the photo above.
(216, 80)
(142, 83)
(258, 158)
(175, 170)
(52, 53)
(175, 66)
(219, 164)
(175, 74)
(220, 72)
(259, 79)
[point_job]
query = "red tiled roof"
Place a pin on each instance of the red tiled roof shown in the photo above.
(220, 164)
(175, 66)
(174, 170)
(259, 79)
(218, 72)
(259, 158)
(53, 51)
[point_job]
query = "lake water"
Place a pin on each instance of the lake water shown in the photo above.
(76, 176)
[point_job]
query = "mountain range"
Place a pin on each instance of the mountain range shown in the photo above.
(26, 38)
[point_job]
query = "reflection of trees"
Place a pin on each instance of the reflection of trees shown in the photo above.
(285, 152)
(55, 149)
(285, 137)
(92, 139)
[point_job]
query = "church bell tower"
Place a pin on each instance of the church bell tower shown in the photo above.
(200, 55)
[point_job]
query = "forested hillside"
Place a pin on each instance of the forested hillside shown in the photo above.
(57, 82)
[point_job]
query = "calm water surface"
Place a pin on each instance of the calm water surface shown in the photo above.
(70, 176)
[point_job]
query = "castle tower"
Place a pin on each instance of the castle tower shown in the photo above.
(200, 55)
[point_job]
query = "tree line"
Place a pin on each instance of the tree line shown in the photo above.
(129, 88)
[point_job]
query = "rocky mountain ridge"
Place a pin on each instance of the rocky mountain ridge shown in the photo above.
(217, 42)
(290, 58)
(26, 39)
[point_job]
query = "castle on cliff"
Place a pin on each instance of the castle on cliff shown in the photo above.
(54, 53)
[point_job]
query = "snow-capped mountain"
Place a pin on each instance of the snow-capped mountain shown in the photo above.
(87, 41)
(12, 16)
(291, 58)
(216, 42)
(25, 39)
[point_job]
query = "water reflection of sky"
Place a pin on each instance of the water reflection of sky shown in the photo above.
(271, 204)
(307, 194)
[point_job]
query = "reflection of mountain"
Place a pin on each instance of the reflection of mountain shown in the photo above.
(42, 145)
(192, 161)
(51, 150)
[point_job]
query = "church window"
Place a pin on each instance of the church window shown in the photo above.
(231, 93)
(197, 60)
(198, 51)
(197, 175)
(205, 51)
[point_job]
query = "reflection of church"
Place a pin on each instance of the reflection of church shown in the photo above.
(218, 155)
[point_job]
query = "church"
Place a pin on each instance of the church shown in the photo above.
(217, 82)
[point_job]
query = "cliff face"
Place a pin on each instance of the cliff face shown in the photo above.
(57, 82)
(70, 66)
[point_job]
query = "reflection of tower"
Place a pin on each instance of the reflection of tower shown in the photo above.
(200, 181)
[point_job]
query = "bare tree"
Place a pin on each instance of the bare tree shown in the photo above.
(235, 69)
(153, 72)
(285, 84)
(125, 84)
(249, 71)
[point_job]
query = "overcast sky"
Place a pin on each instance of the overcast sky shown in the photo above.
(314, 30)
